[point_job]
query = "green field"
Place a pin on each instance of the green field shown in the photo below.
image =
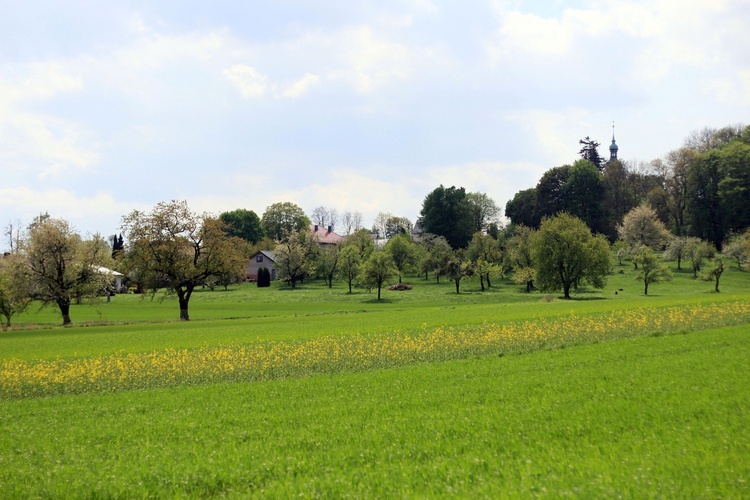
(656, 409)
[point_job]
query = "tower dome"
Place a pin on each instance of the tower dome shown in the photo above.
(613, 147)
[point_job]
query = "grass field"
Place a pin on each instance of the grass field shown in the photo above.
(612, 395)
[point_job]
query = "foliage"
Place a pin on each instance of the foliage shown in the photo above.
(459, 267)
(640, 227)
(446, 212)
(566, 255)
(738, 249)
(519, 256)
(362, 241)
(296, 257)
(435, 254)
(264, 278)
(349, 264)
(521, 210)
(176, 248)
(651, 269)
(485, 211)
(281, 220)
(677, 249)
(244, 224)
(377, 270)
(487, 255)
(402, 251)
(14, 287)
(696, 250)
(61, 266)
(590, 152)
(714, 271)
(327, 263)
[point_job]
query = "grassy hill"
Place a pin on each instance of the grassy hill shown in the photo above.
(614, 394)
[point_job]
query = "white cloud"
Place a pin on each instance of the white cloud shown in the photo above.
(248, 80)
(301, 86)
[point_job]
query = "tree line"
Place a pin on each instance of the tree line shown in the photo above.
(685, 207)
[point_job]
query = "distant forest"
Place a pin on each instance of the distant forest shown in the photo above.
(701, 189)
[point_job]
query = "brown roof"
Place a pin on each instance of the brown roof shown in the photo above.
(325, 236)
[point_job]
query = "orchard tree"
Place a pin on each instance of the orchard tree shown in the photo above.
(296, 257)
(519, 256)
(363, 242)
(377, 270)
(714, 271)
(14, 287)
(328, 261)
(280, 220)
(61, 266)
(696, 250)
(566, 255)
(435, 253)
(244, 224)
(677, 250)
(738, 249)
(458, 267)
(485, 252)
(651, 269)
(175, 247)
(401, 249)
(349, 265)
(641, 227)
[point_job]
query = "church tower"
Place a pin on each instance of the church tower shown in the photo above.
(613, 147)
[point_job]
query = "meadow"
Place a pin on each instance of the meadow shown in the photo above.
(316, 392)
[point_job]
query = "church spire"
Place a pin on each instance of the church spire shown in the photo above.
(613, 147)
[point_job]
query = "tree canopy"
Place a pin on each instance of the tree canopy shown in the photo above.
(566, 255)
(280, 220)
(244, 224)
(447, 212)
(176, 248)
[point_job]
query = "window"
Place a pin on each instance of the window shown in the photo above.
(259, 258)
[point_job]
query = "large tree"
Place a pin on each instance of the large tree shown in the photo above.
(485, 212)
(583, 192)
(244, 224)
(486, 254)
(446, 212)
(350, 223)
(62, 266)
(589, 151)
(550, 192)
(435, 253)
(176, 248)
(566, 255)
(519, 256)
(280, 220)
(522, 208)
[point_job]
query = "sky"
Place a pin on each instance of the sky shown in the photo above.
(108, 107)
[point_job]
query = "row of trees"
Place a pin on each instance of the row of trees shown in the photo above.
(701, 189)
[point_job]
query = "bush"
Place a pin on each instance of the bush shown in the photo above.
(400, 287)
(264, 277)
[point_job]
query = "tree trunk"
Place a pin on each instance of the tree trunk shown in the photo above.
(566, 291)
(64, 306)
(487, 277)
(457, 285)
(481, 281)
(645, 287)
(183, 299)
(379, 285)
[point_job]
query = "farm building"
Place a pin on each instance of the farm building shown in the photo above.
(262, 258)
